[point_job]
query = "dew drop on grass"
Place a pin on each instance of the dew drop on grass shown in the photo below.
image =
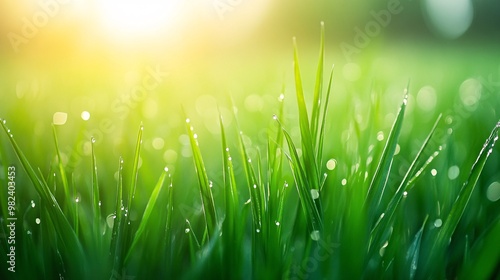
(32, 204)
(453, 172)
(315, 235)
(249, 160)
(110, 220)
(277, 223)
(434, 172)
(286, 185)
(257, 230)
(37, 221)
(166, 169)
(4, 121)
(99, 203)
(77, 199)
(92, 140)
(331, 164)
(281, 97)
(227, 149)
(344, 182)
(438, 223)
(187, 230)
(382, 250)
(380, 136)
(254, 186)
(275, 117)
(211, 184)
(314, 193)
(405, 194)
(493, 192)
(230, 158)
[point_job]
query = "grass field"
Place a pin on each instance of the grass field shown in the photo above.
(251, 167)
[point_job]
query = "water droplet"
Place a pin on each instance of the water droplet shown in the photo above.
(344, 182)
(434, 172)
(28, 232)
(188, 120)
(275, 117)
(227, 149)
(249, 160)
(37, 221)
(99, 203)
(438, 223)
(331, 164)
(32, 204)
(315, 235)
(286, 185)
(380, 136)
(122, 208)
(281, 97)
(254, 186)
(382, 250)
(92, 140)
(210, 184)
(110, 220)
(257, 230)
(449, 131)
(277, 223)
(493, 192)
(166, 169)
(405, 194)
(314, 193)
(229, 158)
(453, 172)
(77, 199)
(187, 230)
(195, 136)
(4, 121)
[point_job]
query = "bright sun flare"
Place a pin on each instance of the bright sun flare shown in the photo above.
(133, 18)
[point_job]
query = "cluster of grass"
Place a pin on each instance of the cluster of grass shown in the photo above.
(295, 223)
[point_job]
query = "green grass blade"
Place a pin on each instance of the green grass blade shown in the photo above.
(449, 225)
(71, 245)
(303, 187)
(116, 246)
(485, 255)
(321, 133)
(60, 165)
(135, 169)
(305, 131)
(205, 190)
(379, 181)
(413, 252)
(379, 231)
(147, 213)
(96, 201)
(318, 87)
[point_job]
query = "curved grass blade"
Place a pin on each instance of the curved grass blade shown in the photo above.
(62, 171)
(485, 255)
(135, 170)
(379, 181)
(70, 243)
(379, 231)
(318, 87)
(96, 202)
(449, 225)
(413, 252)
(147, 212)
(205, 190)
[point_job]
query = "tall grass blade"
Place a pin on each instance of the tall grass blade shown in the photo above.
(379, 181)
(147, 213)
(449, 225)
(71, 245)
(96, 201)
(205, 190)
